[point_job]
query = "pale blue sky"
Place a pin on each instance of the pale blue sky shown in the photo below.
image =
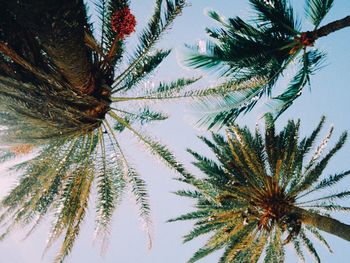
(330, 96)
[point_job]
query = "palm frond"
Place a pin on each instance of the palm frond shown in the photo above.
(201, 230)
(80, 203)
(50, 103)
(327, 182)
(73, 200)
(156, 148)
(304, 148)
(274, 249)
(309, 246)
(191, 216)
(6, 155)
(190, 194)
(222, 111)
(110, 188)
(257, 249)
(312, 176)
(298, 250)
(208, 166)
(105, 9)
(143, 70)
(139, 190)
(319, 237)
(277, 14)
(238, 243)
(172, 87)
(261, 48)
(216, 16)
(200, 253)
(311, 61)
(316, 10)
(143, 116)
(157, 25)
(146, 115)
(328, 207)
(249, 197)
(137, 185)
(340, 195)
(164, 91)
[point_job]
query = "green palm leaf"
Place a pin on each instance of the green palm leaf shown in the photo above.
(316, 10)
(311, 62)
(260, 50)
(57, 100)
(260, 194)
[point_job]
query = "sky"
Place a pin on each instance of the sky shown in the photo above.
(329, 96)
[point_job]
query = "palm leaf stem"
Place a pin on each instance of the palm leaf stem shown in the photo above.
(7, 51)
(156, 148)
(143, 202)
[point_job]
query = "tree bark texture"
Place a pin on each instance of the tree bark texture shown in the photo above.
(60, 26)
(324, 223)
(332, 27)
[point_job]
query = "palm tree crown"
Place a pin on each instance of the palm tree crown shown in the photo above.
(263, 194)
(66, 93)
(253, 56)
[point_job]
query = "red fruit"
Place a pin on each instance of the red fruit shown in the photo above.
(123, 22)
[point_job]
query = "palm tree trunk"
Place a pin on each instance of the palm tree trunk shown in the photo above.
(324, 223)
(332, 27)
(60, 27)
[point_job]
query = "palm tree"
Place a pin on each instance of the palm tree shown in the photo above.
(67, 95)
(254, 55)
(262, 194)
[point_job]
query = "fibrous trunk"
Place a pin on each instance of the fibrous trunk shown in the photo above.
(60, 27)
(332, 27)
(324, 223)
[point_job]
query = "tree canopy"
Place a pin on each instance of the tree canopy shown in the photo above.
(252, 55)
(264, 192)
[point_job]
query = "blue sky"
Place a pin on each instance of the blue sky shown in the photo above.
(329, 96)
